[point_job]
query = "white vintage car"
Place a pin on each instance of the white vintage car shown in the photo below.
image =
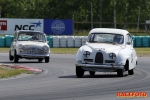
(29, 45)
(107, 50)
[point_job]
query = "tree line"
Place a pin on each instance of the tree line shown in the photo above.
(103, 13)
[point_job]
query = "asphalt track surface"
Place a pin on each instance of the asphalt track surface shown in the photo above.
(59, 82)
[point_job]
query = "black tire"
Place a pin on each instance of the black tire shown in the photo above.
(120, 72)
(10, 56)
(131, 72)
(16, 58)
(46, 59)
(79, 72)
(40, 60)
(92, 73)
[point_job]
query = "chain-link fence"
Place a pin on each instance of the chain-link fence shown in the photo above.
(131, 27)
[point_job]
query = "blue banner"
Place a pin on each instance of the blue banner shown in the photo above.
(58, 27)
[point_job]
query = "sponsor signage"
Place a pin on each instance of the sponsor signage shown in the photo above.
(3, 25)
(48, 26)
(58, 27)
(9, 26)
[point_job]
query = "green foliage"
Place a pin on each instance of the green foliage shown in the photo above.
(126, 11)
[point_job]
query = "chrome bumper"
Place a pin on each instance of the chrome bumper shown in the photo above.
(100, 66)
(32, 56)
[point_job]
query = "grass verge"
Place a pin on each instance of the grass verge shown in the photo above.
(6, 72)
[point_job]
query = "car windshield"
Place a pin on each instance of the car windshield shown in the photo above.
(30, 36)
(106, 38)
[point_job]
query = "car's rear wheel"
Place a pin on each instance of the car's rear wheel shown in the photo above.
(79, 71)
(46, 59)
(10, 56)
(92, 73)
(120, 72)
(131, 72)
(40, 60)
(16, 58)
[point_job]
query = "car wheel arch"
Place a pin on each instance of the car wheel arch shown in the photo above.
(126, 66)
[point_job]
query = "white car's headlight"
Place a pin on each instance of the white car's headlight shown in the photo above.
(20, 46)
(45, 48)
(86, 54)
(112, 56)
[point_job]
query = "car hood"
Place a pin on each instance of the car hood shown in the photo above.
(102, 47)
(32, 43)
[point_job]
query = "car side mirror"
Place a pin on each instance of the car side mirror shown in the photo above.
(128, 43)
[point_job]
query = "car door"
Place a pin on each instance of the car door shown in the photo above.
(132, 54)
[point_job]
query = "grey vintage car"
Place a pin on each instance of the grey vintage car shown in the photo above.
(29, 44)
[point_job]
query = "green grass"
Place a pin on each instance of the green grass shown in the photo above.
(143, 51)
(9, 72)
(64, 50)
(4, 49)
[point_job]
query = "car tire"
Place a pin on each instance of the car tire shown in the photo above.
(79, 72)
(40, 60)
(120, 72)
(46, 59)
(16, 58)
(10, 56)
(92, 73)
(131, 72)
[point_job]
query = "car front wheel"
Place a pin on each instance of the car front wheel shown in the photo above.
(131, 72)
(40, 60)
(120, 72)
(10, 56)
(79, 72)
(46, 59)
(92, 73)
(16, 58)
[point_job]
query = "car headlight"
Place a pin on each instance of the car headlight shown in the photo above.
(45, 48)
(112, 56)
(86, 54)
(21, 46)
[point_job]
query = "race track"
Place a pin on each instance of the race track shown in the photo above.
(59, 82)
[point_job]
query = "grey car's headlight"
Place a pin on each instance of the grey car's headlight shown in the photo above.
(45, 48)
(20, 46)
(86, 54)
(112, 56)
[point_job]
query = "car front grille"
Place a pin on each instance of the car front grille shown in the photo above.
(32, 51)
(88, 60)
(109, 61)
(99, 58)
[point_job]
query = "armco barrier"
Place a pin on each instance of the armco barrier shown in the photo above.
(73, 41)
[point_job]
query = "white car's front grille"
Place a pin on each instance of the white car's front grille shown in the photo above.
(32, 51)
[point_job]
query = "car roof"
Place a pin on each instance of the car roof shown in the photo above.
(29, 31)
(109, 30)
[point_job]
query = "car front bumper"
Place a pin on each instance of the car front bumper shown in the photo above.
(32, 56)
(100, 68)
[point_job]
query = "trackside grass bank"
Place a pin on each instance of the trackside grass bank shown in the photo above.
(6, 72)
(140, 51)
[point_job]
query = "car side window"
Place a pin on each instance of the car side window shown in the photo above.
(128, 39)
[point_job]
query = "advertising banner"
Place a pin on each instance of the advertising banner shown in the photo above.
(9, 26)
(58, 27)
(48, 26)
